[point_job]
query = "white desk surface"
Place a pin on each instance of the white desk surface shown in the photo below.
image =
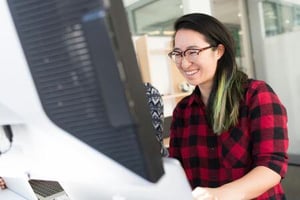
(8, 194)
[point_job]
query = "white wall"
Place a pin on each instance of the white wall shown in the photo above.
(277, 62)
(283, 72)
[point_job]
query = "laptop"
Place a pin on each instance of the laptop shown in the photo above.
(33, 189)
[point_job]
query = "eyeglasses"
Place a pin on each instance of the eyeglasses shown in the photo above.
(189, 54)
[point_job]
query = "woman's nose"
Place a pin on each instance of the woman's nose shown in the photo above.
(185, 63)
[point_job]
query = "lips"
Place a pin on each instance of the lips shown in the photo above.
(191, 72)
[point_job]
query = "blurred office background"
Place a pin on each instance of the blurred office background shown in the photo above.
(267, 35)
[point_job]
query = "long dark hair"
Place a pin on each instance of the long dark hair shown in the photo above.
(227, 90)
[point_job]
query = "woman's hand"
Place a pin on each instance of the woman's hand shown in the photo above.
(2, 183)
(219, 193)
(201, 193)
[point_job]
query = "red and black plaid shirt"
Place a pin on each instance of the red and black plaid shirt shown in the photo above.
(259, 139)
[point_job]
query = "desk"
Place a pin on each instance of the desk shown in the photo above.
(8, 194)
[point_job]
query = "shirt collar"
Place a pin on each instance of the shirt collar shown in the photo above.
(195, 97)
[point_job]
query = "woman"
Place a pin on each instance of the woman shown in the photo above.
(230, 134)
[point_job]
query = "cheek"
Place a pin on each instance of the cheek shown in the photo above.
(212, 70)
(213, 62)
(209, 64)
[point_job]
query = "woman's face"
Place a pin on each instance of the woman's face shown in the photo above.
(197, 69)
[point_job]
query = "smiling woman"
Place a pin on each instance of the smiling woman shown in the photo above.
(231, 131)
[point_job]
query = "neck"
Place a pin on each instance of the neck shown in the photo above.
(205, 92)
(204, 99)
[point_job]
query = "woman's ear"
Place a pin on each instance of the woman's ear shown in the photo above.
(220, 50)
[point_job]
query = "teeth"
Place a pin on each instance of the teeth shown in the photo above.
(191, 72)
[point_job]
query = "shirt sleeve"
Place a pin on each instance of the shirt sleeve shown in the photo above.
(268, 128)
(156, 107)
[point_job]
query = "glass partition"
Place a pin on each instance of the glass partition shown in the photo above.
(153, 17)
(280, 17)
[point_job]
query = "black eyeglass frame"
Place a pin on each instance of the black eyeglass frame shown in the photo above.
(183, 53)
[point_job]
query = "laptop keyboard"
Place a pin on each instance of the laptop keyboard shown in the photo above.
(45, 188)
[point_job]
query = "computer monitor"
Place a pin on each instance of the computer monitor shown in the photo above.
(72, 93)
(82, 61)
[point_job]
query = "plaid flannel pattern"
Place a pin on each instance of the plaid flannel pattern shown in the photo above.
(259, 139)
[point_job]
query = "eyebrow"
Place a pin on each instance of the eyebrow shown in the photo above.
(189, 47)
